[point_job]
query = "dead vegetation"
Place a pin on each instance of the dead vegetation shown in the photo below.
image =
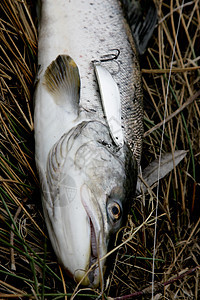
(28, 267)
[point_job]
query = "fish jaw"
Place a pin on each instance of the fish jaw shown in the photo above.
(75, 225)
(69, 231)
(98, 236)
(77, 236)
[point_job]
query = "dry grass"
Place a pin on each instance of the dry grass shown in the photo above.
(28, 267)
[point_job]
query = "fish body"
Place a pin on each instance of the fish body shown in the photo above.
(87, 158)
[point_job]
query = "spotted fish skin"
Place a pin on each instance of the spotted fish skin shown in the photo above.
(87, 30)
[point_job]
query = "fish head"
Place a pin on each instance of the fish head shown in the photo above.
(100, 179)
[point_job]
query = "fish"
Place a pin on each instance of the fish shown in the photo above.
(88, 123)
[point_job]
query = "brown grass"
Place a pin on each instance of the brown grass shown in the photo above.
(28, 267)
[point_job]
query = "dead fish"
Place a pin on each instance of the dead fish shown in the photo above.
(88, 120)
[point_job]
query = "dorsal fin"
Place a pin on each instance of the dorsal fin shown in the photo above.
(62, 80)
(110, 97)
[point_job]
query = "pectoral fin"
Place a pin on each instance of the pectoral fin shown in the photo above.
(159, 168)
(62, 81)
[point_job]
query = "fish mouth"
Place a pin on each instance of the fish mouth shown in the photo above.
(97, 250)
(94, 273)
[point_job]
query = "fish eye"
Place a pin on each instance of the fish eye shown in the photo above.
(114, 211)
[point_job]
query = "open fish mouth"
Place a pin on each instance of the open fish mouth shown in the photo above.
(95, 276)
(97, 246)
(94, 273)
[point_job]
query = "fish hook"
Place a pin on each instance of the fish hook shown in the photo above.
(109, 57)
(112, 56)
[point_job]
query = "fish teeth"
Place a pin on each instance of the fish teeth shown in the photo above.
(93, 241)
